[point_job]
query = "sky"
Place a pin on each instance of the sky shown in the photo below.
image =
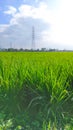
(52, 21)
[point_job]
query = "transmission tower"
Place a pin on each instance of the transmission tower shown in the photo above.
(33, 38)
(10, 44)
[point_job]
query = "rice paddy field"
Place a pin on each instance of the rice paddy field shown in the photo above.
(36, 90)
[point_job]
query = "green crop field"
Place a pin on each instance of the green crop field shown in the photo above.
(36, 90)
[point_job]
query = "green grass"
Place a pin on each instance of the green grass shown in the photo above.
(36, 89)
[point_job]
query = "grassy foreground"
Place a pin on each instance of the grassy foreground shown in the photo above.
(36, 90)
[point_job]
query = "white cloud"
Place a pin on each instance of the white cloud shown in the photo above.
(3, 27)
(20, 34)
(11, 10)
(61, 21)
(62, 28)
(40, 12)
(59, 34)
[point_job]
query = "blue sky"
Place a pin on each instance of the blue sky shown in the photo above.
(52, 20)
(4, 6)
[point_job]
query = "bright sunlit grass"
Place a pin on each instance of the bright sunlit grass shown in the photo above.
(39, 84)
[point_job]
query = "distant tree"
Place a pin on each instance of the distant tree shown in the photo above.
(10, 49)
(37, 50)
(43, 49)
(21, 49)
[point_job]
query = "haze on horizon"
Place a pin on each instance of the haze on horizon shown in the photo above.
(52, 21)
